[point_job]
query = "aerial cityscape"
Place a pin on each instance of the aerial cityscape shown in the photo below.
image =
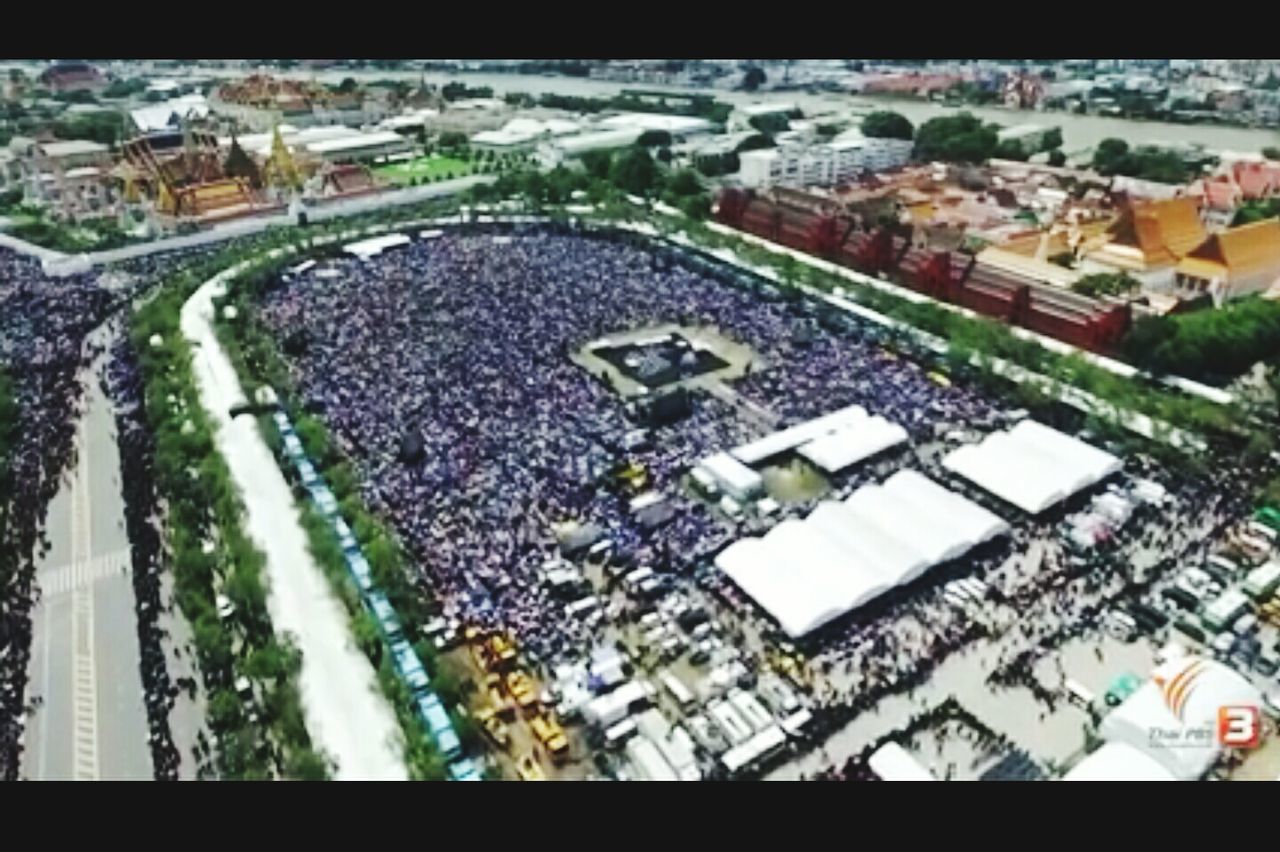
(640, 420)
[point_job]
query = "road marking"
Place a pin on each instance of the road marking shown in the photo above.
(83, 574)
(84, 669)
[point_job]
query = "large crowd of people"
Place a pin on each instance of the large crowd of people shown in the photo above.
(43, 326)
(45, 350)
(464, 340)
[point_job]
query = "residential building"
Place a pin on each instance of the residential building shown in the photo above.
(73, 77)
(800, 165)
(67, 176)
(1237, 262)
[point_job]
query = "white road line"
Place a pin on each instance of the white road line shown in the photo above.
(68, 578)
(84, 668)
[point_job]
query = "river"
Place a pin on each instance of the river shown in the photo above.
(1078, 131)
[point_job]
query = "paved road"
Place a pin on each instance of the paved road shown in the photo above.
(85, 664)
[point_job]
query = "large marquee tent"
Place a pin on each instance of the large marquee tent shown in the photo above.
(807, 573)
(1032, 466)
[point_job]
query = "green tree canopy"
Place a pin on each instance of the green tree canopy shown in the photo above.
(1057, 158)
(956, 138)
(1106, 283)
(886, 124)
(597, 163)
(654, 138)
(1052, 139)
(1271, 152)
(753, 79)
(634, 171)
(1210, 343)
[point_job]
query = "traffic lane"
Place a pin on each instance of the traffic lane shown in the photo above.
(49, 753)
(123, 751)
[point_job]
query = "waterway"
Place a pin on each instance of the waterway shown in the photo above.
(1078, 131)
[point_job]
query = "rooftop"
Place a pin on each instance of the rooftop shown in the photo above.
(1241, 251)
(72, 147)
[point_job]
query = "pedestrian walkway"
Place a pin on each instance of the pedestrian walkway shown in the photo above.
(82, 574)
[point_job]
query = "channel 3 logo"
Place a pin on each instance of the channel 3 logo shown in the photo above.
(1239, 725)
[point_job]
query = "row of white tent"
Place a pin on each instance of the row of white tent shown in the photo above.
(832, 442)
(845, 554)
(1032, 466)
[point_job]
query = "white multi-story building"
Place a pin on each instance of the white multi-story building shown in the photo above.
(821, 165)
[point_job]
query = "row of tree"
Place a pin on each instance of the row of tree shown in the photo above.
(1208, 344)
(1114, 157)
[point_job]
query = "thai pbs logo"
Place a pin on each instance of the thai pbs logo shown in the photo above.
(1238, 725)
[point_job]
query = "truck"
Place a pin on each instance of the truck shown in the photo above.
(552, 737)
(1263, 581)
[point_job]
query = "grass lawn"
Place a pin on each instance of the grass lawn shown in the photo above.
(423, 168)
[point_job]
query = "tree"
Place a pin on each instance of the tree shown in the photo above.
(634, 171)
(753, 79)
(1108, 155)
(654, 138)
(1011, 149)
(1105, 283)
(1256, 211)
(685, 182)
(664, 155)
(347, 85)
(754, 142)
(597, 163)
(956, 138)
(770, 124)
(885, 124)
(1057, 158)
(1052, 140)
(1271, 152)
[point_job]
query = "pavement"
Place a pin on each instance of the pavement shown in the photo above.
(91, 723)
(346, 713)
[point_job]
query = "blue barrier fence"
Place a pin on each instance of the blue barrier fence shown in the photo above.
(431, 711)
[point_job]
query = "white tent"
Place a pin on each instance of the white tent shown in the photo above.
(807, 573)
(1032, 466)
(790, 438)
(1119, 762)
(853, 443)
(892, 762)
(733, 477)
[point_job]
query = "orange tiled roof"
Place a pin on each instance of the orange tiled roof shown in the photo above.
(1163, 231)
(1245, 250)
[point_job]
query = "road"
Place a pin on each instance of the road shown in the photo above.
(85, 662)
